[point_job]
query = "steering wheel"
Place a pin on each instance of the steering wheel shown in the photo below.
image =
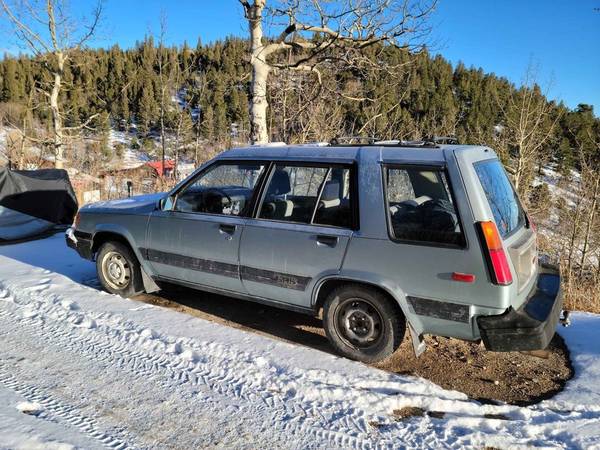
(212, 199)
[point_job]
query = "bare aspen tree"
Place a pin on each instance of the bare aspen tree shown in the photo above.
(529, 124)
(26, 131)
(170, 80)
(319, 31)
(52, 35)
(590, 187)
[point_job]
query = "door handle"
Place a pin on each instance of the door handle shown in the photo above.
(226, 228)
(329, 241)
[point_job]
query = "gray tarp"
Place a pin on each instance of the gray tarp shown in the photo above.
(32, 202)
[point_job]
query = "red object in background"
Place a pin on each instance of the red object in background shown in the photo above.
(160, 170)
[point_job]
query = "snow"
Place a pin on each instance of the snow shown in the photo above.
(111, 372)
(30, 408)
(566, 188)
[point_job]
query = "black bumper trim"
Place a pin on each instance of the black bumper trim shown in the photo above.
(83, 246)
(439, 309)
(532, 326)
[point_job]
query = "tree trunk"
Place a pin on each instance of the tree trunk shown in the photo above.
(590, 224)
(56, 115)
(163, 141)
(573, 237)
(260, 73)
(519, 169)
(21, 162)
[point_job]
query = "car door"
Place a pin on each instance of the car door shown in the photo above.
(196, 237)
(299, 233)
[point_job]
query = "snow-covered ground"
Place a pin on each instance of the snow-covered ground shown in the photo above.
(80, 368)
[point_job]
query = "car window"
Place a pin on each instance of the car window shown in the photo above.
(334, 207)
(223, 189)
(304, 194)
(421, 207)
(502, 198)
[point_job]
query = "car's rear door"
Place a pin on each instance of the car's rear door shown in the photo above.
(299, 232)
(196, 239)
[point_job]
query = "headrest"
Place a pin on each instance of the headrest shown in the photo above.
(280, 183)
(331, 191)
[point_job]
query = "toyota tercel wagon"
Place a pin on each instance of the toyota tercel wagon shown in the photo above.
(379, 239)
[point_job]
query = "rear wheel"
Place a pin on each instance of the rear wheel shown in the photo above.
(362, 323)
(118, 269)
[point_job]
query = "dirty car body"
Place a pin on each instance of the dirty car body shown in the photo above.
(438, 232)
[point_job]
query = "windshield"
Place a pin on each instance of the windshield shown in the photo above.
(503, 200)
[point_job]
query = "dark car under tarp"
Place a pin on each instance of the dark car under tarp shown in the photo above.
(34, 203)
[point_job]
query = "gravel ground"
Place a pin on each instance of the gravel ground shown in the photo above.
(514, 378)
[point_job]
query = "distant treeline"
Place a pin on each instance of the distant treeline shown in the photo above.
(420, 95)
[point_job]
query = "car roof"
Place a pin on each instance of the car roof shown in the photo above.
(350, 153)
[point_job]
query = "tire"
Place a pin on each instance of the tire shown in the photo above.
(118, 269)
(362, 323)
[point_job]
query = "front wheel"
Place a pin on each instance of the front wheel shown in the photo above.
(362, 323)
(118, 269)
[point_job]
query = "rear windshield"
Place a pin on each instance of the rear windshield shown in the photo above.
(503, 200)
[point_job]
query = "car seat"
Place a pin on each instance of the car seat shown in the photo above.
(276, 205)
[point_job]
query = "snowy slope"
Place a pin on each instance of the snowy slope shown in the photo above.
(109, 372)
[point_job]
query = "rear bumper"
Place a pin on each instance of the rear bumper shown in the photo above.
(532, 326)
(80, 242)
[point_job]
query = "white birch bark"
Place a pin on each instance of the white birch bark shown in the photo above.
(260, 73)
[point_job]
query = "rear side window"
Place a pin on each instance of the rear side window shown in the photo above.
(420, 206)
(310, 195)
(502, 198)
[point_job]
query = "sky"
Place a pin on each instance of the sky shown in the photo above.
(559, 38)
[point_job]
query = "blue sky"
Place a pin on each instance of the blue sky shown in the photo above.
(560, 37)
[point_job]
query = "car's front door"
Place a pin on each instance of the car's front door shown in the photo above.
(197, 238)
(299, 233)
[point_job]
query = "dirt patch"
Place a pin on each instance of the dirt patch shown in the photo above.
(510, 377)
(408, 411)
(467, 367)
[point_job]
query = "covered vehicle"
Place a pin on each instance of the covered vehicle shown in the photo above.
(34, 203)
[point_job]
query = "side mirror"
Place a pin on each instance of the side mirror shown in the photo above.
(165, 203)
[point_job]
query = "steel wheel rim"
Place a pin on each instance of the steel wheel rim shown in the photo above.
(116, 270)
(359, 323)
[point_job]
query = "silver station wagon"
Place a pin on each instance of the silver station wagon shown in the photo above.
(378, 238)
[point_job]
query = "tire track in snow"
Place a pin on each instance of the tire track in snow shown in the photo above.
(56, 411)
(115, 347)
(116, 342)
(120, 343)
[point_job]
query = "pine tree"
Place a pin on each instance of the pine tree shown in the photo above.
(207, 124)
(424, 96)
(148, 109)
(10, 85)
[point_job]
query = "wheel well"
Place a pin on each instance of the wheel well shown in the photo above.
(104, 236)
(330, 285)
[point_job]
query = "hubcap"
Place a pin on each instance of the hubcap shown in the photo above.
(359, 323)
(116, 270)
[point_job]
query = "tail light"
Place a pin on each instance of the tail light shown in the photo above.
(496, 257)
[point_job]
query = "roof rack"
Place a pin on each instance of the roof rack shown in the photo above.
(400, 143)
(427, 142)
(352, 140)
(366, 141)
(444, 140)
